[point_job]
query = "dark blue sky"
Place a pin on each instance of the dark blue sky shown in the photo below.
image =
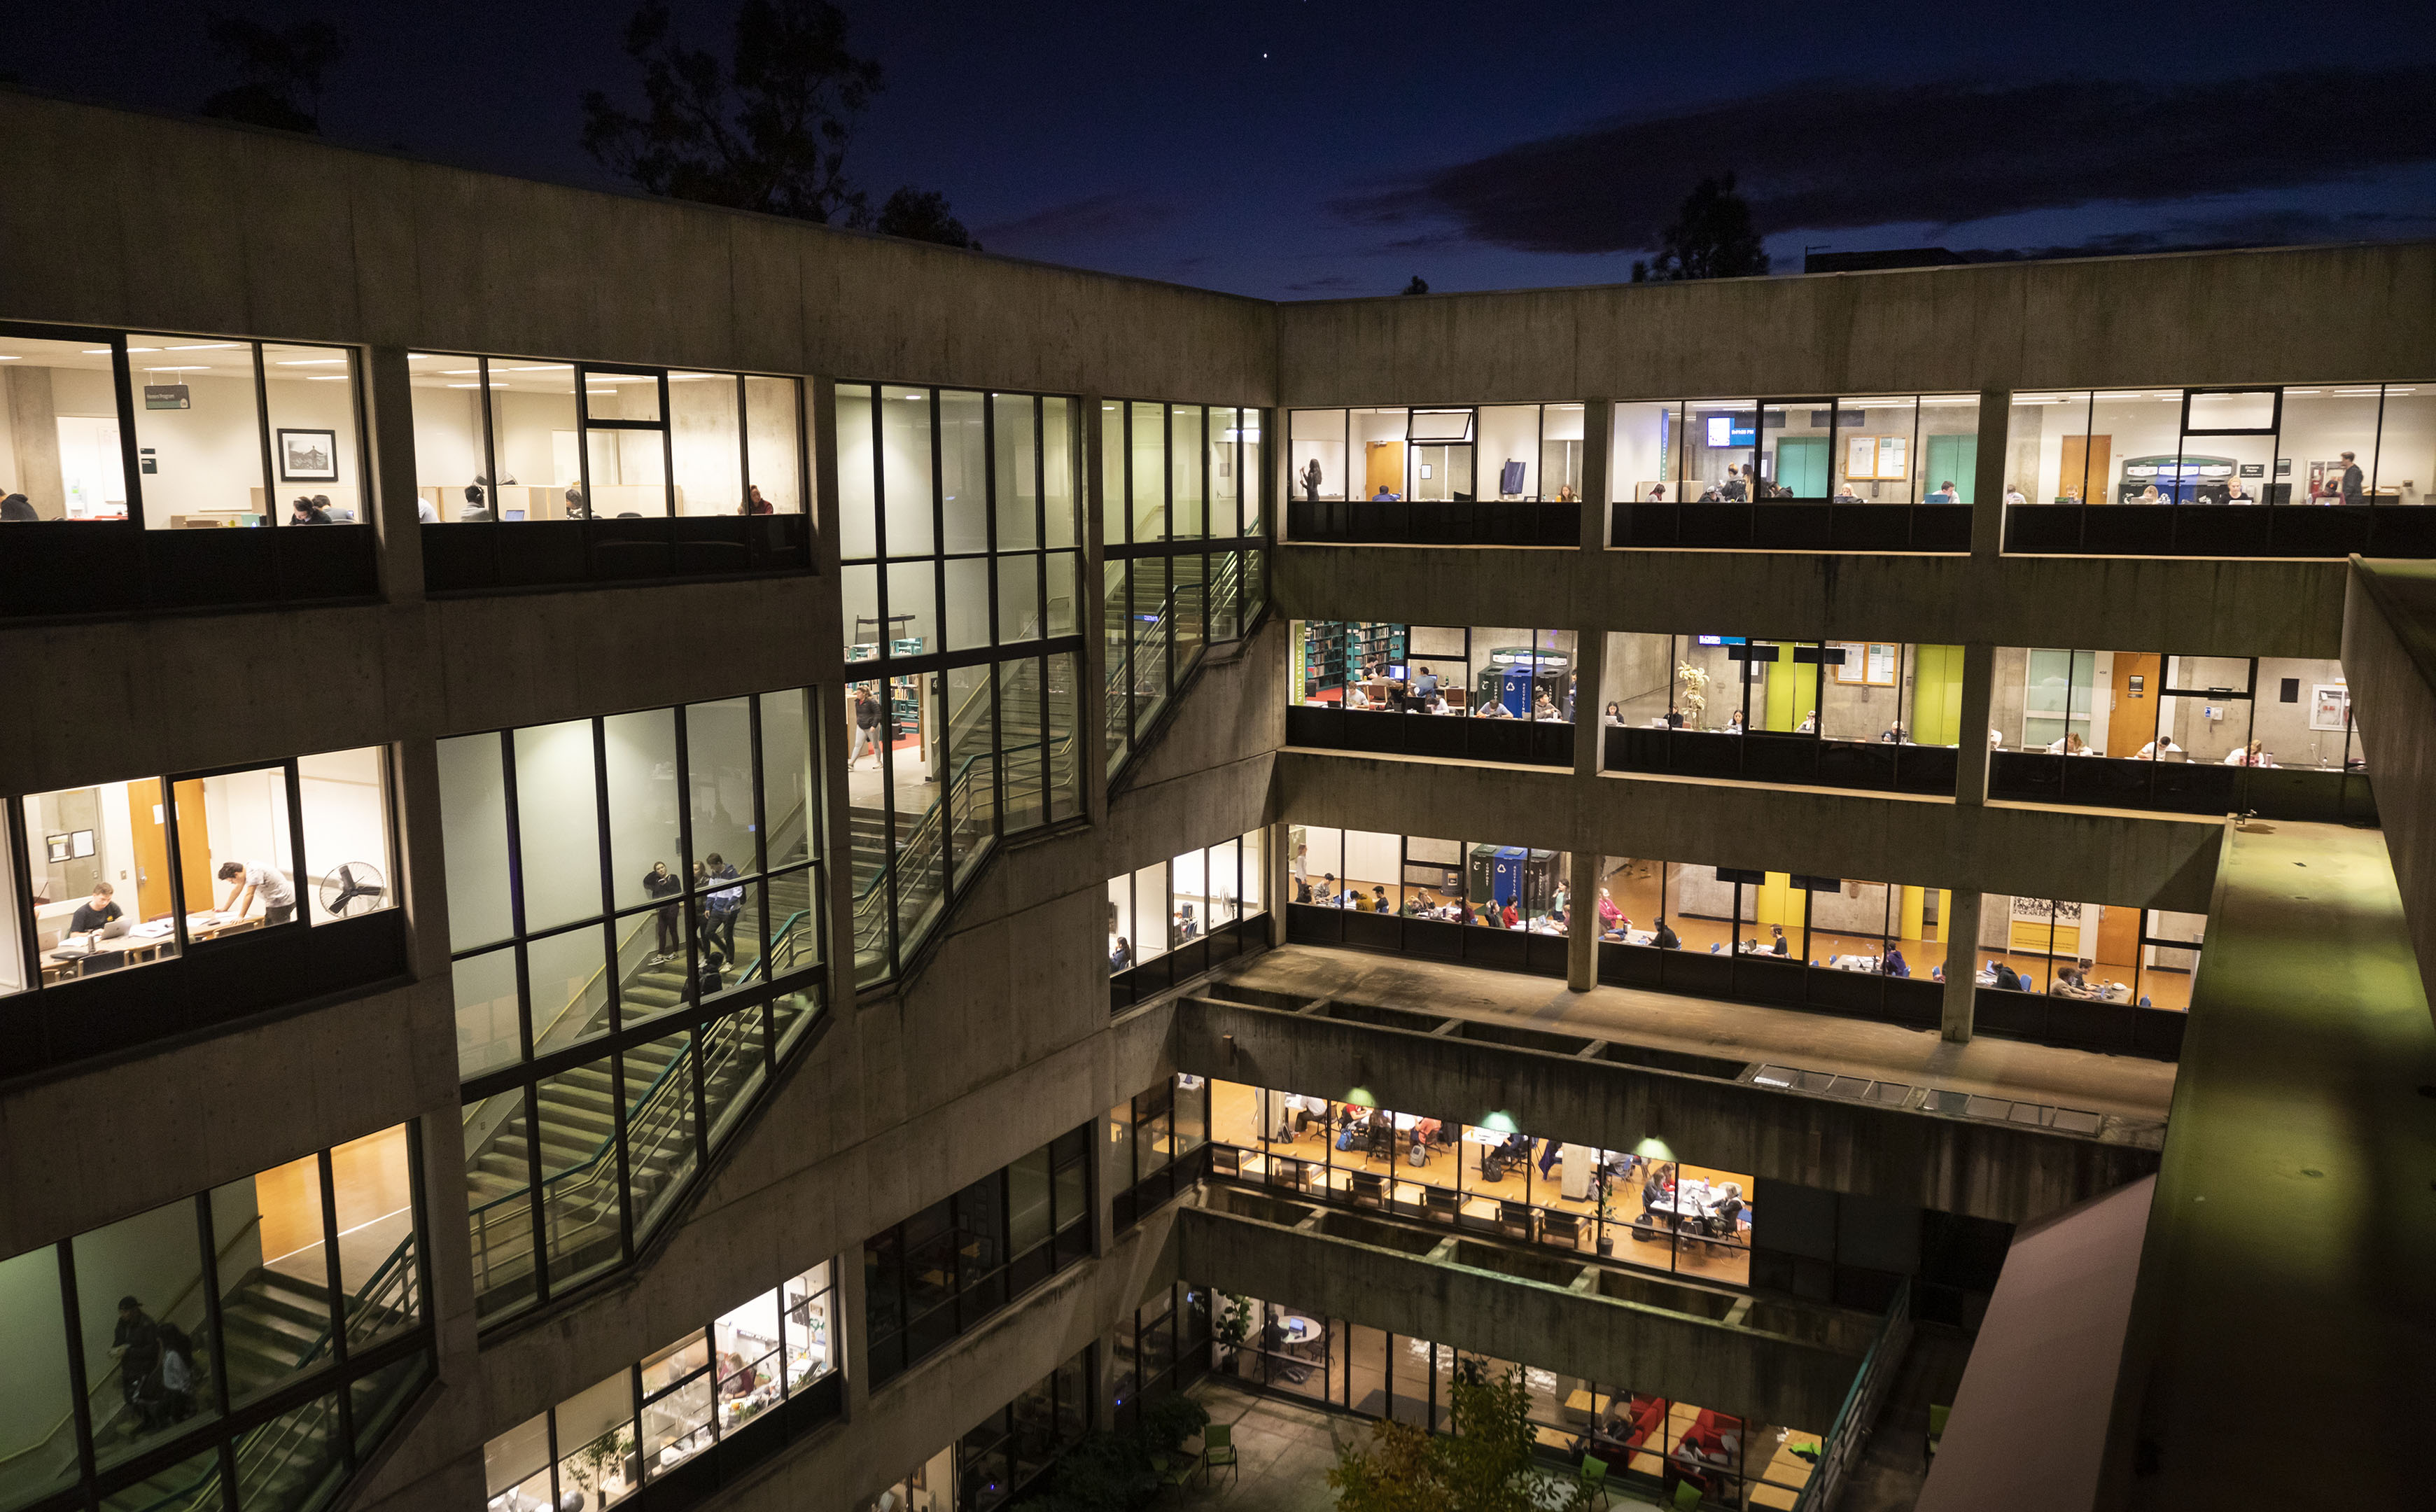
(1299, 148)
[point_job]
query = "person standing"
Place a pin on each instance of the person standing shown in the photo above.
(659, 883)
(722, 905)
(2353, 481)
(866, 723)
(1310, 481)
(248, 880)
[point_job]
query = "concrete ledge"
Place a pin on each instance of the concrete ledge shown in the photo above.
(1669, 1350)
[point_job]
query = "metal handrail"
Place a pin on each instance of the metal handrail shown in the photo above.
(1844, 1438)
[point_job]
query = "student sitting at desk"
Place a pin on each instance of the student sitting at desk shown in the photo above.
(1436, 703)
(2013, 495)
(1944, 494)
(305, 512)
(1777, 946)
(1123, 956)
(1542, 708)
(1895, 964)
(2252, 754)
(2069, 745)
(1493, 709)
(1355, 698)
(1665, 938)
(1735, 723)
(1809, 724)
(1846, 495)
(1386, 495)
(2235, 494)
(2161, 746)
(94, 914)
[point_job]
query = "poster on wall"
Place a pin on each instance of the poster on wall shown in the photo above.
(2330, 706)
(1851, 667)
(1861, 456)
(1881, 665)
(1894, 459)
(310, 456)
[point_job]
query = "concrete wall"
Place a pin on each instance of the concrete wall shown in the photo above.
(2390, 653)
(2009, 1172)
(2213, 318)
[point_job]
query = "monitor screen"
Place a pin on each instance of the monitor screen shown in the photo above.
(1723, 432)
(513, 515)
(1396, 673)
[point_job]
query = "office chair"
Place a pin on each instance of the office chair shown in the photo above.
(629, 514)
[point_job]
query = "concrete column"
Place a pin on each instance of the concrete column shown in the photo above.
(423, 883)
(1598, 430)
(388, 413)
(1581, 930)
(1962, 929)
(1281, 880)
(1987, 480)
(830, 712)
(1590, 697)
(1978, 701)
(1090, 617)
(854, 1323)
(34, 437)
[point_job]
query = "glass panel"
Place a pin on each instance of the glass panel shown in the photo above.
(1255, 482)
(1060, 448)
(378, 1265)
(293, 1463)
(1018, 597)
(1226, 481)
(857, 523)
(540, 477)
(1508, 438)
(1188, 896)
(198, 434)
(99, 858)
(313, 451)
(519, 1461)
(274, 1278)
(558, 824)
(488, 1032)
(348, 867)
(706, 440)
(790, 1013)
(967, 604)
(913, 608)
(676, 1426)
(718, 778)
(1560, 454)
(2328, 442)
(1121, 926)
(37, 1441)
(377, 1398)
(192, 1482)
(1948, 448)
(661, 1148)
(1185, 453)
(578, 1170)
(964, 479)
(2302, 716)
(234, 847)
(596, 1436)
(1151, 909)
(451, 464)
(973, 765)
(1255, 872)
(84, 396)
(808, 1301)
(474, 828)
(641, 773)
(772, 428)
(2406, 446)
(498, 1206)
(1316, 453)
(746, 1345)
(2143, 428)
(858, 594)
(1148, 441)
(1721, 440)
(2047, 448)
(905, 470)
(567, 978)
(629, 467)
(1221, 884)
(1027, 1194)
(1016, 463)
(788, 801)
(1065, 760)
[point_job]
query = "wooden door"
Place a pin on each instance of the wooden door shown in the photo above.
(144, 817)
(195, 846)
(2088, 465)
(2133, 723)
(2119, 941)
(1384, 466)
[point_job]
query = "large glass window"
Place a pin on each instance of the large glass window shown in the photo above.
(942, 1271)
(636, 939)
(959, 584)
(2091, 951)
(258, 1297)
(1168, 905)
(627, 1430)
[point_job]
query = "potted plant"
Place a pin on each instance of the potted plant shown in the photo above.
(593, 1463)
(1233, 1329)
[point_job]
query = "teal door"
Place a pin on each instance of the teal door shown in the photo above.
(1954, 456)
(1801, 465)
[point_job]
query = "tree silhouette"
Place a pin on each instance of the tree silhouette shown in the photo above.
(922, 214)
(1711, 237)
(281, 70)
(766, 131)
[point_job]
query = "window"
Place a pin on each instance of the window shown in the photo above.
(775, 1355)
(2091, 951)
(634, 911)
(353, 1344)
(957, 528)
(942, 1271)
(1159, 1138)
(130, 874)
(1199, 898)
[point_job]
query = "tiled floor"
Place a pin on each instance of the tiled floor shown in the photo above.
(1287, 1451)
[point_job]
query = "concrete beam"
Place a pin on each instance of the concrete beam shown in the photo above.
(2187, 607)
(2011, 1172)
(1653, 1336)
(2389, 660)
(2106, 856)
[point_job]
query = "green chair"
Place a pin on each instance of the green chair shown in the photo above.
(1594, 1477)
(1687, 1495)
(1176, 1472)
(1218, 1448)
(1936, 1429)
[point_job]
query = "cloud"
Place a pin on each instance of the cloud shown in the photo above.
(2267, 227)
(1835, 155)
(1325, 285)
(1098, 218)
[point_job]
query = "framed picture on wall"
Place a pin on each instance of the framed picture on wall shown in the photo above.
(308, 456)
(2330, 706)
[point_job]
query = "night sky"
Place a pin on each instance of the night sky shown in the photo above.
(1307, 149)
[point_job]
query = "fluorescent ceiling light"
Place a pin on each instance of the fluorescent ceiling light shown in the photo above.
(2354, 394)
(11, 357)
(473, 386)
(204, 346)
(422, 357)
(310, 362)
(2304, 391)
(458, 372)
(97, 351)
(144, 349)
(325, 378)
(177, 370)
(542, 367)
(2134, 394)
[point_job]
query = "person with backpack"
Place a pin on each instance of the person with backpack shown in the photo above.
(866, 728)
(720, 908)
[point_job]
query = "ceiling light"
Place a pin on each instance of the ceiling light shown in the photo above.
(11, 357)
(458, 372)
(144, 349)
(541, 367)
(325, 378)
(312, 362)
(473, 386)
(2134, 394)
(422, 357)
(177, 370)
(97, 351)
(204, 346)
(2354, 394)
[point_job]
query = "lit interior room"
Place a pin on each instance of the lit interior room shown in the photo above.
(222, 433)
(2269, 711)
(2267, 445)
(1484, 671)
(506, 439)
(1866, 449)
(1836, 923)
(1449, 881)
(1450, 453)
(1886, 691)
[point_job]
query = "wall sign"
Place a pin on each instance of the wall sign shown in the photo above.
(168, 396)
(2330, 706)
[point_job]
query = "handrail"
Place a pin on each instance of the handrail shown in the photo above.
(1843, 1440)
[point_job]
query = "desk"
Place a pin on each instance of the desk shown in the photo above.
(133, 948)
(1588, 1403)
(1788, 1472)
(1857, 962)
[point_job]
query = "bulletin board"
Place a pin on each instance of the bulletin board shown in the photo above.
(1868, 663)
(1880, 458)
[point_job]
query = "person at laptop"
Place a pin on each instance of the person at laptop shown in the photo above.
(94, 914)
(248, 881)
(2158, 749)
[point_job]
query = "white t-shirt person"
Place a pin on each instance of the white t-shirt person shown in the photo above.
(250, 879)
